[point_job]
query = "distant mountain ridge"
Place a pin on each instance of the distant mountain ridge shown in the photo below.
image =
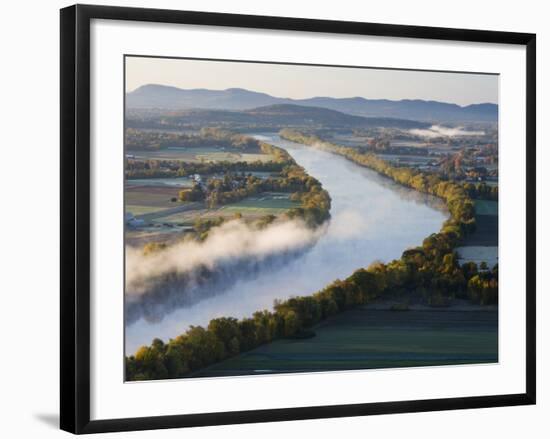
(174, 98)
(275, 117)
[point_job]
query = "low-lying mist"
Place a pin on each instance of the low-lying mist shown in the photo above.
(185, 273)
(441, 131)
(232, 240)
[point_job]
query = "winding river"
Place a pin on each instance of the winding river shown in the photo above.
(373, 219)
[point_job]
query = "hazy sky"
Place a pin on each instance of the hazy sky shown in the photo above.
(289, 81)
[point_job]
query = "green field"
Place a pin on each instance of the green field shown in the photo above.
(367, 339)
(484, 207)
(200, 154)
(486, 233)
(267, 203)
(138, 210)
(478, 254)
(180, 182)
(140, 200)
(167, 219)
(185, 218)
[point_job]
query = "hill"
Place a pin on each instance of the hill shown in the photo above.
(276, 117)
(173, 98)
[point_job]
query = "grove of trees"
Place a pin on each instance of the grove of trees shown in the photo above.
(137, 139)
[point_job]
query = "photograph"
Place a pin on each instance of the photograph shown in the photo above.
(270, 220)
(298, 218)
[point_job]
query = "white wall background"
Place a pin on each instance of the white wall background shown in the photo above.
(29, 217)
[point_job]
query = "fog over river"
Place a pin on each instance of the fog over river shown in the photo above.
(373, 219)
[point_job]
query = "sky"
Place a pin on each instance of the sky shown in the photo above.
(299, 82)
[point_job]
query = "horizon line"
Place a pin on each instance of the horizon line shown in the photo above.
(311, 97)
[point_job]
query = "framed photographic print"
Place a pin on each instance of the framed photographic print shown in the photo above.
(268, 218)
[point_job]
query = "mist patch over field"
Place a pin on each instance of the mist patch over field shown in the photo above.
(441, 131)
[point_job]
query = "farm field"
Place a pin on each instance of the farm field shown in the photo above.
(263, 204)
(161, 234)
(368, 339)
(485, 207)
(180, 182)
(268, 203)
(407, 158)
(166, 220)
(199, 154)
(349, 140)
(142, 200)
(486, 233)
(482, 245)
(478, 254)
(409, 143)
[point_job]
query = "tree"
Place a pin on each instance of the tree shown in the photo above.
(226, 329)
(292, 323)
(193, 194)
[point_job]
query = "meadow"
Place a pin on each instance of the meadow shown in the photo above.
(147, 199)
(485, 207)
(167, 219)
(180, 182)
(267, 203)
(200, 154)
(486, 233)
(367, 338)
(482, 245)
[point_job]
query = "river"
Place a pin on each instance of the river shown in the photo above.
(373, 219)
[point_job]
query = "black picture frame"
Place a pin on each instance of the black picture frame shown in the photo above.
(75, 217)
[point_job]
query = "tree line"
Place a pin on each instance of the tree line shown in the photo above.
(155, 168)
(481, 191)
(137, 139)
